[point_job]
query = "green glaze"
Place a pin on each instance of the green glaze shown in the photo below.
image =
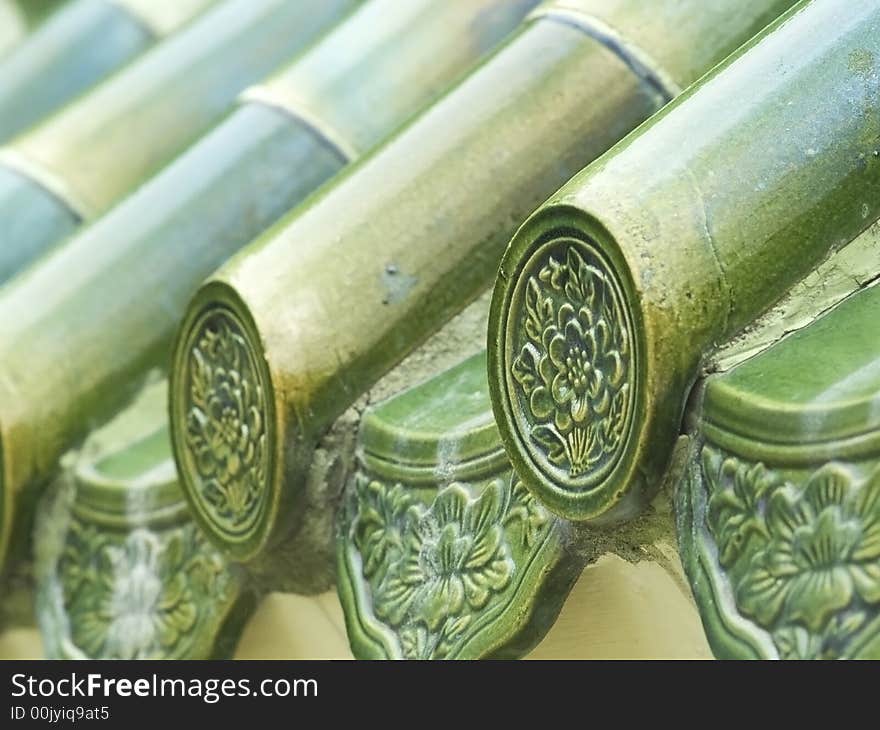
(416, 229)
(407, 430)
(76, 47)
(110, 140)
(442, 553)
(134, 269)
(612, 294)
(22, 17)
(832, 399)
(121, 570)
(779, 509)
(40, 218)
(375, 72)
(12, 27)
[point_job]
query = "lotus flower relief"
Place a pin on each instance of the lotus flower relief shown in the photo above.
(225, 425)
(138, 602)
(736, 506)
(380, 525)
(573, 366)
(804, 561)
(823, 552)
(431, 568)
(455, 558)
(525, 508)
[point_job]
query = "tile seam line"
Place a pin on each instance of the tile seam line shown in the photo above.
(263, 95)
(52, 183)
(139, 19)
(637, 60)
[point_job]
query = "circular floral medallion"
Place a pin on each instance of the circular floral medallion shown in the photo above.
(223, 430)
(568, 375)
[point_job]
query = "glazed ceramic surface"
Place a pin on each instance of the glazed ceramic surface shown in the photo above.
(78, 46)
(13, 27)
(415, 229)
(267, 155)
(107, 142)
(690, 310)
(443, 554)
(122, 572)
(19, 18)
(614, 292)
(779, 509)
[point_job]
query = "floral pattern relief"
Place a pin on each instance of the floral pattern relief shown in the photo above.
(226, 430)
(803, 559)
(141, 595)
(574, 369)
(431, 568)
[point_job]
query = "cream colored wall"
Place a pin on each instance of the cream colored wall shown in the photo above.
(20, 644)
(616, 610)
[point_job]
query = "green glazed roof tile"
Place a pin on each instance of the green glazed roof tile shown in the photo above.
(418, 429)
(793, 393)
